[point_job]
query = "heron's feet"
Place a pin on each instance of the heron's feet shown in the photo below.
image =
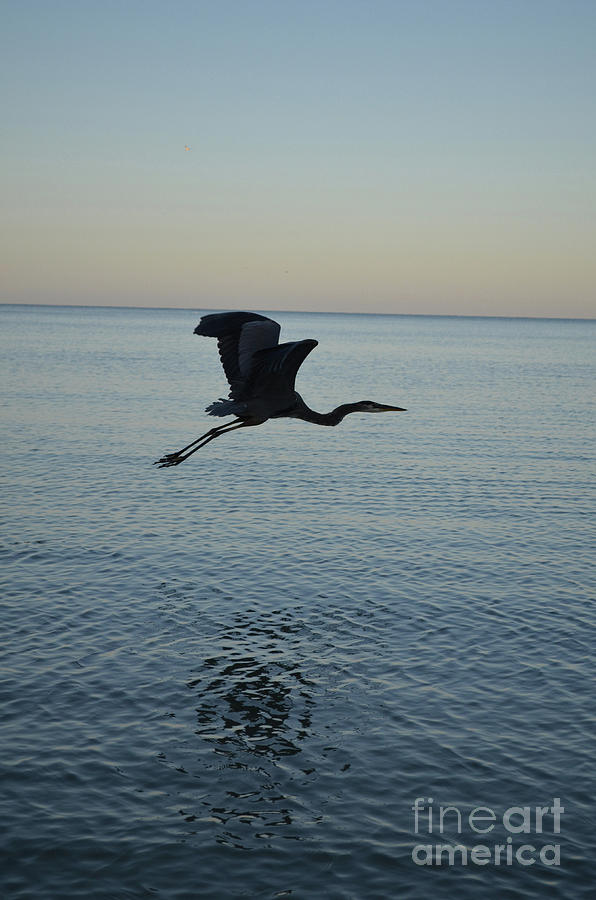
(169, 459)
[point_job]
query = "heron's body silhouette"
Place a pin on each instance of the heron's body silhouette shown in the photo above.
(261, 374)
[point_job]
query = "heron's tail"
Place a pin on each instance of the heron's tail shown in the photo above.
(223, 407)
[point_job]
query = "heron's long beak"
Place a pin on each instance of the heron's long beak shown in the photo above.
(391, 408)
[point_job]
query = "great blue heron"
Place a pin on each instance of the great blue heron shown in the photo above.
(261, 374)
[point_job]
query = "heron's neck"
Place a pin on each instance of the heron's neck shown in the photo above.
(331, 418)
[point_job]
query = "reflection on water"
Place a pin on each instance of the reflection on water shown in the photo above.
(259, 701)
(263, 761)
(254, 709)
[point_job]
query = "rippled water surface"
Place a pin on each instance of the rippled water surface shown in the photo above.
(232, 679)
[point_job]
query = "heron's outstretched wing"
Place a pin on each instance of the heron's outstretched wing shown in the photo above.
(239, 336)
(273, 373)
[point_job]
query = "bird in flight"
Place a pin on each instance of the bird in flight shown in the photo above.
(261, 373)
(186, 147)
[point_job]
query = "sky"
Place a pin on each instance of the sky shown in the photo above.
(433, 156)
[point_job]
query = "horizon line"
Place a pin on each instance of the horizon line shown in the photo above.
(323, 312)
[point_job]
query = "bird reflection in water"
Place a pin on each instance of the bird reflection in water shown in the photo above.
(254, 710)
(259, 707)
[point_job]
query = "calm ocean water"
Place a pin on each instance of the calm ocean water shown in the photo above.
(232, 679)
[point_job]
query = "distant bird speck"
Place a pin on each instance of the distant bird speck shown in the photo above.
(186, 147)
(261, 374)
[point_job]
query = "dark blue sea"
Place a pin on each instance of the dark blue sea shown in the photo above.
(344, 663)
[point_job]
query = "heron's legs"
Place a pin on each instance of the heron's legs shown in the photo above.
(217, 428)
(174, 459)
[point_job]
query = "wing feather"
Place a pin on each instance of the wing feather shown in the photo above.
(254, 337)
(274, 369)
(239, 336)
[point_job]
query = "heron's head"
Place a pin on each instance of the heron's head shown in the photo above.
(371, 406)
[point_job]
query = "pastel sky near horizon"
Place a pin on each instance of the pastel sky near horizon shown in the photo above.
(404, 157)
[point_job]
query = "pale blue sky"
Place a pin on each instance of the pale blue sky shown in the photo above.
(432, 157)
